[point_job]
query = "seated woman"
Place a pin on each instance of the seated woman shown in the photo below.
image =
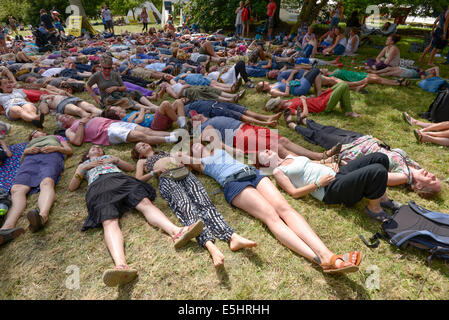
(67, 105)
(188, 199)
(246, 188)
(111, 193)
(293, 87)
(339, 45)
(327, 39)
(16, 107)
(164, 116)
(365, 177)
(43, 163)
(437, 133)
(111, 86)
(326, 102)
(309, 44)
(353, 42)
(390, 56)
(402, 169)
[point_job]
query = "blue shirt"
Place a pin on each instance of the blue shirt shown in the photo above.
(225, 126)
(147, 119)
(221, 165)
(285, 74)
(194, 79)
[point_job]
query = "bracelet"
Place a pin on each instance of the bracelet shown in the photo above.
(152, 173)
(317, 184)
(78, 177)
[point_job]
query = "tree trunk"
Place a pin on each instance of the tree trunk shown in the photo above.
(86, 24)
(309, 11)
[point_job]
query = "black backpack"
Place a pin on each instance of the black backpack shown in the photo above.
(418, 227)
(439, 109)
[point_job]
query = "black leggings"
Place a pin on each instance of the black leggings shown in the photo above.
(145, 26)
(240, 69)
(312, 74)
(364, 177)
(326, 136)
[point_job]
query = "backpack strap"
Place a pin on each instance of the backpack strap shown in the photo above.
(373, 241)
(437, 217)
(404, 236)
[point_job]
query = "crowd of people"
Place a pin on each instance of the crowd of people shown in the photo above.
(129, 77)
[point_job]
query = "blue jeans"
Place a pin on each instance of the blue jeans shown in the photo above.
(334, 23)
(238, 29)
(307, 51)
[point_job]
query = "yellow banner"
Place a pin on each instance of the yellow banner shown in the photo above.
(75, 25)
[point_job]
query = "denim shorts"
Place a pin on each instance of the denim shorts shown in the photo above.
(233, 188)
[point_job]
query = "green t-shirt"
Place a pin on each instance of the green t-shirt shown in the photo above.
(350, 76)
(103, 84)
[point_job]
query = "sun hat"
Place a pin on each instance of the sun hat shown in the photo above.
(273, 103)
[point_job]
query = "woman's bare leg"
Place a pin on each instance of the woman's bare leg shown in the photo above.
(74, 110)
(19, 202)
(46, 198)
(436, 140)
(114, 241)
(216, 254)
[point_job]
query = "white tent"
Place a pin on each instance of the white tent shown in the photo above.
(153, 13)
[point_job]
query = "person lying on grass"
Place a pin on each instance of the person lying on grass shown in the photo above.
(16, 107)
(163, 118)
(402, 169)
(284, 88)
(403, 72)
(111, 193)
(211, 108)
(188, 199)
(246, 188)
(365, 177)
(43, 163)
(105, 131)
(250, 138)
(326, 102)
(70, 105)
(437, 133)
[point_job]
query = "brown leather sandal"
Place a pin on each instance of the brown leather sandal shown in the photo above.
(344, 267)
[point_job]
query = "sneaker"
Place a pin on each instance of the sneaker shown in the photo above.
(10, 234)
(391, 205)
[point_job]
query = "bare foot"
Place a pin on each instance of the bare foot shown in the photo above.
(353, 114)
(276, 116)
(215, 253)
(237, 242)
(272, 124)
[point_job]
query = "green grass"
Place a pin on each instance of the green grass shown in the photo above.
(34, 265)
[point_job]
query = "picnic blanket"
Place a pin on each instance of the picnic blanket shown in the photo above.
(9, 168)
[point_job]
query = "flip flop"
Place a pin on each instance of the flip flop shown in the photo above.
(406, 118)
(116, 277)
(188, 233)
(418, 135)
(344, 267)
(35, 220)
(10, 234)
(348, 257)
(378, 216)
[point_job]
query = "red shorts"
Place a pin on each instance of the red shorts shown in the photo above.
(161, 122)
(33, 95)
(252, 139)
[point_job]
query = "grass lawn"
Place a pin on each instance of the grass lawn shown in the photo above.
(34, 266)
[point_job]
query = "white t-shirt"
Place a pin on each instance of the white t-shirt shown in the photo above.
(177, 87)
(16, 97)
(52, 72)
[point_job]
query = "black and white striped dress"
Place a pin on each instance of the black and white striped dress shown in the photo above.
(190, 202)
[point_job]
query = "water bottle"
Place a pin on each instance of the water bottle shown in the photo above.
(3, 209)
